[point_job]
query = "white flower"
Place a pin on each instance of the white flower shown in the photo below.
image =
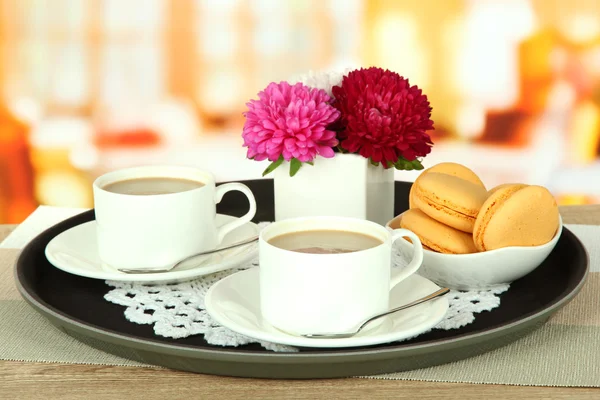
(321, 80)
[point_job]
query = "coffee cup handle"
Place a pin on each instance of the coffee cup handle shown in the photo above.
(219, 193)
(416, 261)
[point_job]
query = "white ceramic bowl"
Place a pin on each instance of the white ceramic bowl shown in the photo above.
(482, 270)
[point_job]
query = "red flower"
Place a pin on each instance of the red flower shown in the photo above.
(383, 117)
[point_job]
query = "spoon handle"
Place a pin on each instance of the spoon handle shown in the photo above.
(432, 296)
(231, 246)
(153, 271)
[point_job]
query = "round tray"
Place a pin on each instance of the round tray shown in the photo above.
(76, 306)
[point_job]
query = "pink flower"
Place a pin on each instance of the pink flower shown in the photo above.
(290, 122)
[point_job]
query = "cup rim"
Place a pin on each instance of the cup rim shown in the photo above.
(375, 226)
(162, 171)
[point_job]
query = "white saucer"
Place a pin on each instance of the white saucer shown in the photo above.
(234, 302)
(75, 251)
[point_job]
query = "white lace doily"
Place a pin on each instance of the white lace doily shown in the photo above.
(177, 310)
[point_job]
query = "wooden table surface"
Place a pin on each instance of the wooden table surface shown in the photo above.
(27, 380)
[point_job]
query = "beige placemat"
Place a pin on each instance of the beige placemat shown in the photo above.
(24, 334)
(564, 352)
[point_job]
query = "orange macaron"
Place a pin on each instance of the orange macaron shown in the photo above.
(435, 235)
(449, 199)
(448, 168)
(494, 189)
(516, 215)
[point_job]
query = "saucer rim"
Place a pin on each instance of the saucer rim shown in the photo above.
(158, 277)
(357, 341)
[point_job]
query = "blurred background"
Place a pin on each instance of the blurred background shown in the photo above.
(87, 86)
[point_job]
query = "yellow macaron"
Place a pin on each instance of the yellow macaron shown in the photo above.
(448, 168)
(435, 235)
(516, 215)
(449, 199)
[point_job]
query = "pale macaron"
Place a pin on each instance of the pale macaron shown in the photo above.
(448, 168)
(516, 215)
(449, 199)
(435, 235)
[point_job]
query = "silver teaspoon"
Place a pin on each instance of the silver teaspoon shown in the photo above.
(353, 332)
(178, 263)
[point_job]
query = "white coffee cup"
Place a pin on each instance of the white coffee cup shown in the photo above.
(157, 230)
(303, 293)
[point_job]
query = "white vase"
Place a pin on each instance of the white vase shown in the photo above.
(346, 185)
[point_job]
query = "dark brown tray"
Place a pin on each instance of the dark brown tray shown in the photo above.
(76, 306)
